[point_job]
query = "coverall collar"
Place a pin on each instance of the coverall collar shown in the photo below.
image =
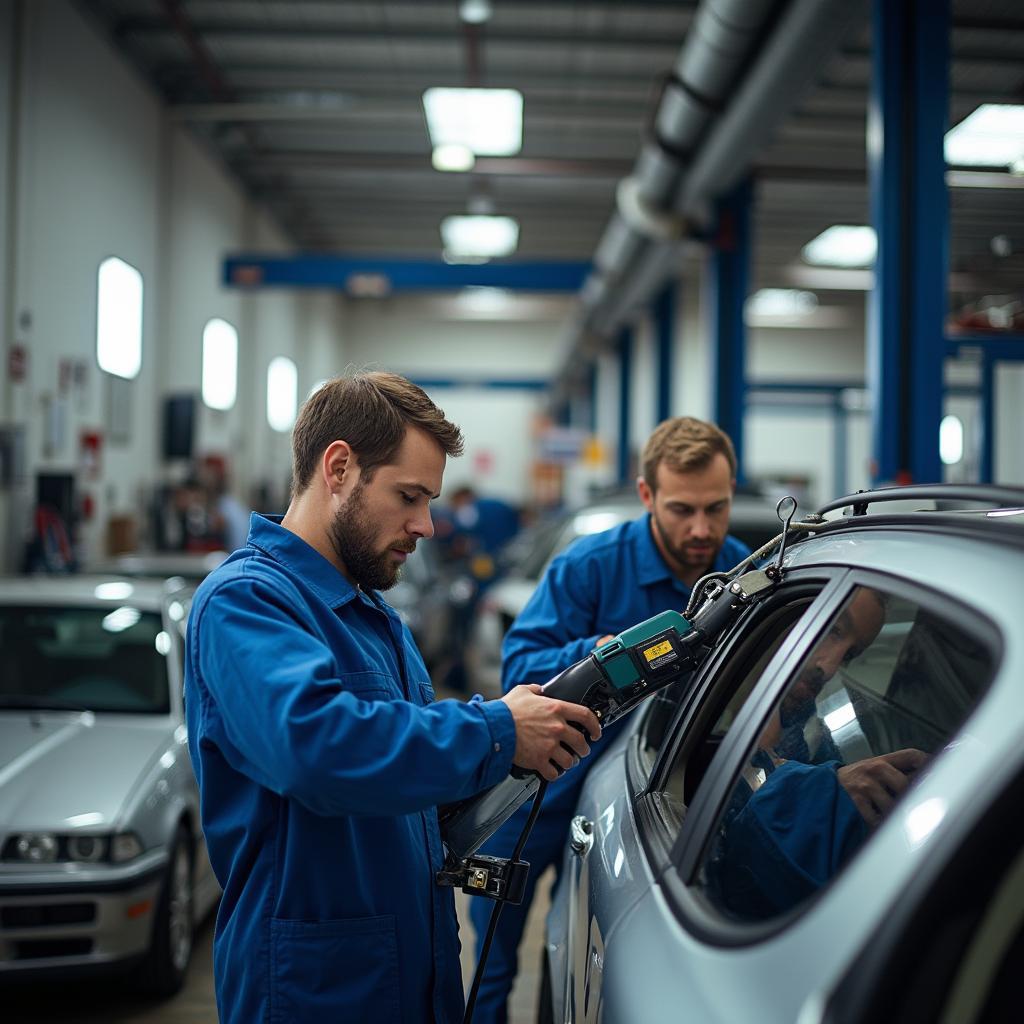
(268, 535)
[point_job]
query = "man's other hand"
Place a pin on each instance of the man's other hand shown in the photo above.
(547, 738)
(874, 783)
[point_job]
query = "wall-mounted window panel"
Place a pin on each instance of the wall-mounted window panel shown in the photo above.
(119, 318)
(282, 393)
(220, 364)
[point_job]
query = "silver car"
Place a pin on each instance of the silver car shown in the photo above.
(102, 858)
(823, 824)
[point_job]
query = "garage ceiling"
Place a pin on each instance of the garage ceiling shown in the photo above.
(317, 108)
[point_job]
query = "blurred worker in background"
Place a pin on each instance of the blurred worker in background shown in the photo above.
(472, 530)
(599, 586)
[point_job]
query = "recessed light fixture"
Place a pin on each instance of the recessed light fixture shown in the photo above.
(479, 236)
(488, 122)
(842, 245)
(452, 156)
(992, 136)
(781, 302)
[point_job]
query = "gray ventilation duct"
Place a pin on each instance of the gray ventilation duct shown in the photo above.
(730, 89)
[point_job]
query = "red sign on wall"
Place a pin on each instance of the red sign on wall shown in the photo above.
(17, 363)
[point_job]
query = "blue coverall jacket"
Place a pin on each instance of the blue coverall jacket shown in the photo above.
(320, 760)
(603, 583)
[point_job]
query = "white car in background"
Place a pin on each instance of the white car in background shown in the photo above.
(102, 858)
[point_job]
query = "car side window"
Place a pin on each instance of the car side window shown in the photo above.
(737, 678)
(880, 693)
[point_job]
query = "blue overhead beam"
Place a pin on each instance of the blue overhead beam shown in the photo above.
(730, 275)
(625, 352)
(907, 120)
(399, 275)
(664, 332)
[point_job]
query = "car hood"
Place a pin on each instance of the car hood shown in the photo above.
(73, 769)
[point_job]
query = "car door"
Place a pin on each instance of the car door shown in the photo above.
(628, 816)
(775, 874)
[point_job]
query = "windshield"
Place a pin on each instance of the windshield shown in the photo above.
(94, 659)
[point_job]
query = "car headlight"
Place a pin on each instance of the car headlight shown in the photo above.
(87, 849)
(37, 847)
(125, 846)
(76, 848)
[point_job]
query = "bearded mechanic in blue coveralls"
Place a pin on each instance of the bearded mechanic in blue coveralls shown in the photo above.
(599, 586)
(319, 752)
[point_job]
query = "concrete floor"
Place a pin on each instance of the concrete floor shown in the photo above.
(111, 1001)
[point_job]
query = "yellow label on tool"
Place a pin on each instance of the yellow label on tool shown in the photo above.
(657, 650)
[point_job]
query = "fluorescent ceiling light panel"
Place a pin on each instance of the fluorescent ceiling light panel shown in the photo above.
(452, 156)
(475, 12)
(479, 236)
(487, 121)
(842, 245)
(993, 136)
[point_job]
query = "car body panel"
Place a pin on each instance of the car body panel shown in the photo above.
(42, 754)
(626, 945)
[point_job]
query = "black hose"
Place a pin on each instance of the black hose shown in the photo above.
(492, 925)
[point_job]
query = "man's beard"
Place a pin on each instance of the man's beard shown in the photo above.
(800, 702)
(352, 535)
(683, 553)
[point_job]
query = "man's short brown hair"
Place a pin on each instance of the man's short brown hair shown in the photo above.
(370, 411)
(684, 443)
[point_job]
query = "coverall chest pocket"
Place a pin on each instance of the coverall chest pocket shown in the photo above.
(334, 970)
(372, 686)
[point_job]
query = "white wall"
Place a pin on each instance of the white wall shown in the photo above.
(643, 404)
(1009, 447)
(691, 389)
(99, 170)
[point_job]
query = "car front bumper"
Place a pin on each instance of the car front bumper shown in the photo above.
(67, 918)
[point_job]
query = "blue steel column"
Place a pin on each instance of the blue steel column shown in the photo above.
(730, 275)
(664, 332)
(625, 391)
(907, 119)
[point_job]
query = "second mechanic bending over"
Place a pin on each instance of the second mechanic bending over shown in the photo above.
(601, 585)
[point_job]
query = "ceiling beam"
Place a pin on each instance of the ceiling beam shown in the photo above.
(147, 32)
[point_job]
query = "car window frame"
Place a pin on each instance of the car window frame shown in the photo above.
(677, 876)
(661, 854)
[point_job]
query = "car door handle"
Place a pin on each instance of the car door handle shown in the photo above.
(581, 835)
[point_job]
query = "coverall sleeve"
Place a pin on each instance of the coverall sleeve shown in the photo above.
(557, 627)
(275, 703)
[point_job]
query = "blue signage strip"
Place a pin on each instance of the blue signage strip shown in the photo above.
(373, 276)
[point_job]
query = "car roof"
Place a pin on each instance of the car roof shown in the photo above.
(162, 564)
(81, 590)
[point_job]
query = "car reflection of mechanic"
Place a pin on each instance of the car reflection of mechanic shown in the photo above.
(797, 816)
(601, 585)
(318, 749)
